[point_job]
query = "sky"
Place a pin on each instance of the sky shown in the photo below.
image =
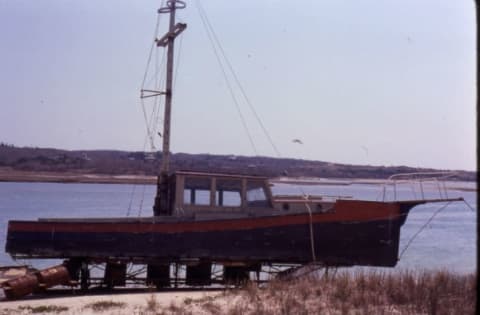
(357, 82)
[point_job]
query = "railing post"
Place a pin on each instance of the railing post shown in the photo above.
(421, 189)
(394, 190)
(439, 188)
(420, 177)
(445, 189)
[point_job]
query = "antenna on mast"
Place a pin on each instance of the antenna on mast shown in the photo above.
(162, 201)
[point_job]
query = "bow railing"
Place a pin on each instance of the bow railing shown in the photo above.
(418, 182)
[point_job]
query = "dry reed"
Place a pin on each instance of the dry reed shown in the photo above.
(404, 292)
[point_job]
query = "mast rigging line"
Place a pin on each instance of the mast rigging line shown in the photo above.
(155, 116)
(211, 33)
(422, 228)
(149, 123)
(132, 194)
(229, 86)
(177, 64)
(152, 121)
(209, 28)
(157, 24)
(311, 230)
(157, 71)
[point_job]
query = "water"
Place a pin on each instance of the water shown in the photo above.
(448, 242)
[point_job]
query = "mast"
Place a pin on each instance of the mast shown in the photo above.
(162, 201)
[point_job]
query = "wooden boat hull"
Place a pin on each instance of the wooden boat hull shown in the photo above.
(355, 233)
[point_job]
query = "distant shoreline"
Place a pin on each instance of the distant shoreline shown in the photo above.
(110, 166)
(57, 177)
(9, 175)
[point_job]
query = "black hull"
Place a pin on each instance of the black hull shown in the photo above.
(370, 243)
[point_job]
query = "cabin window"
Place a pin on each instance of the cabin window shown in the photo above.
(228, 193)
(197, 191)
(256, 196)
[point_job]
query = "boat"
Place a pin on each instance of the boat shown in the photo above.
(202, 219)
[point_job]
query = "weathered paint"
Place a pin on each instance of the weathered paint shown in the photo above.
(366, 235)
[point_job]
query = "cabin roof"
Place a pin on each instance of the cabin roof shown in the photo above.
(224, 175)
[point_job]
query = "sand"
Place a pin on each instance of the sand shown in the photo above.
(128, 303)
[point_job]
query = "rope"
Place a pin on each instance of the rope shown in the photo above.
(131, 200)
(140, 208)
(468, 205)
(423, 227)
(312, 240)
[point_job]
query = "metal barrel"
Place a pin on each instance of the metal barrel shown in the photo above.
(56, 275)
(21, 286)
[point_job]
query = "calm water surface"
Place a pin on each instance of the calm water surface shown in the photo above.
(447, 242)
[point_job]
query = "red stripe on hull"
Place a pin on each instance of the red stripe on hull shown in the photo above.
(344, 211)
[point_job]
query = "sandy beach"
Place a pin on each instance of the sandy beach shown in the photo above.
(407, 292)
(121, 304)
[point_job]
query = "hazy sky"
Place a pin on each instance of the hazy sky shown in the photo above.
(362, 82)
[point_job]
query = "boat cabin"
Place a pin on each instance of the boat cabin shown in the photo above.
(199, 192)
